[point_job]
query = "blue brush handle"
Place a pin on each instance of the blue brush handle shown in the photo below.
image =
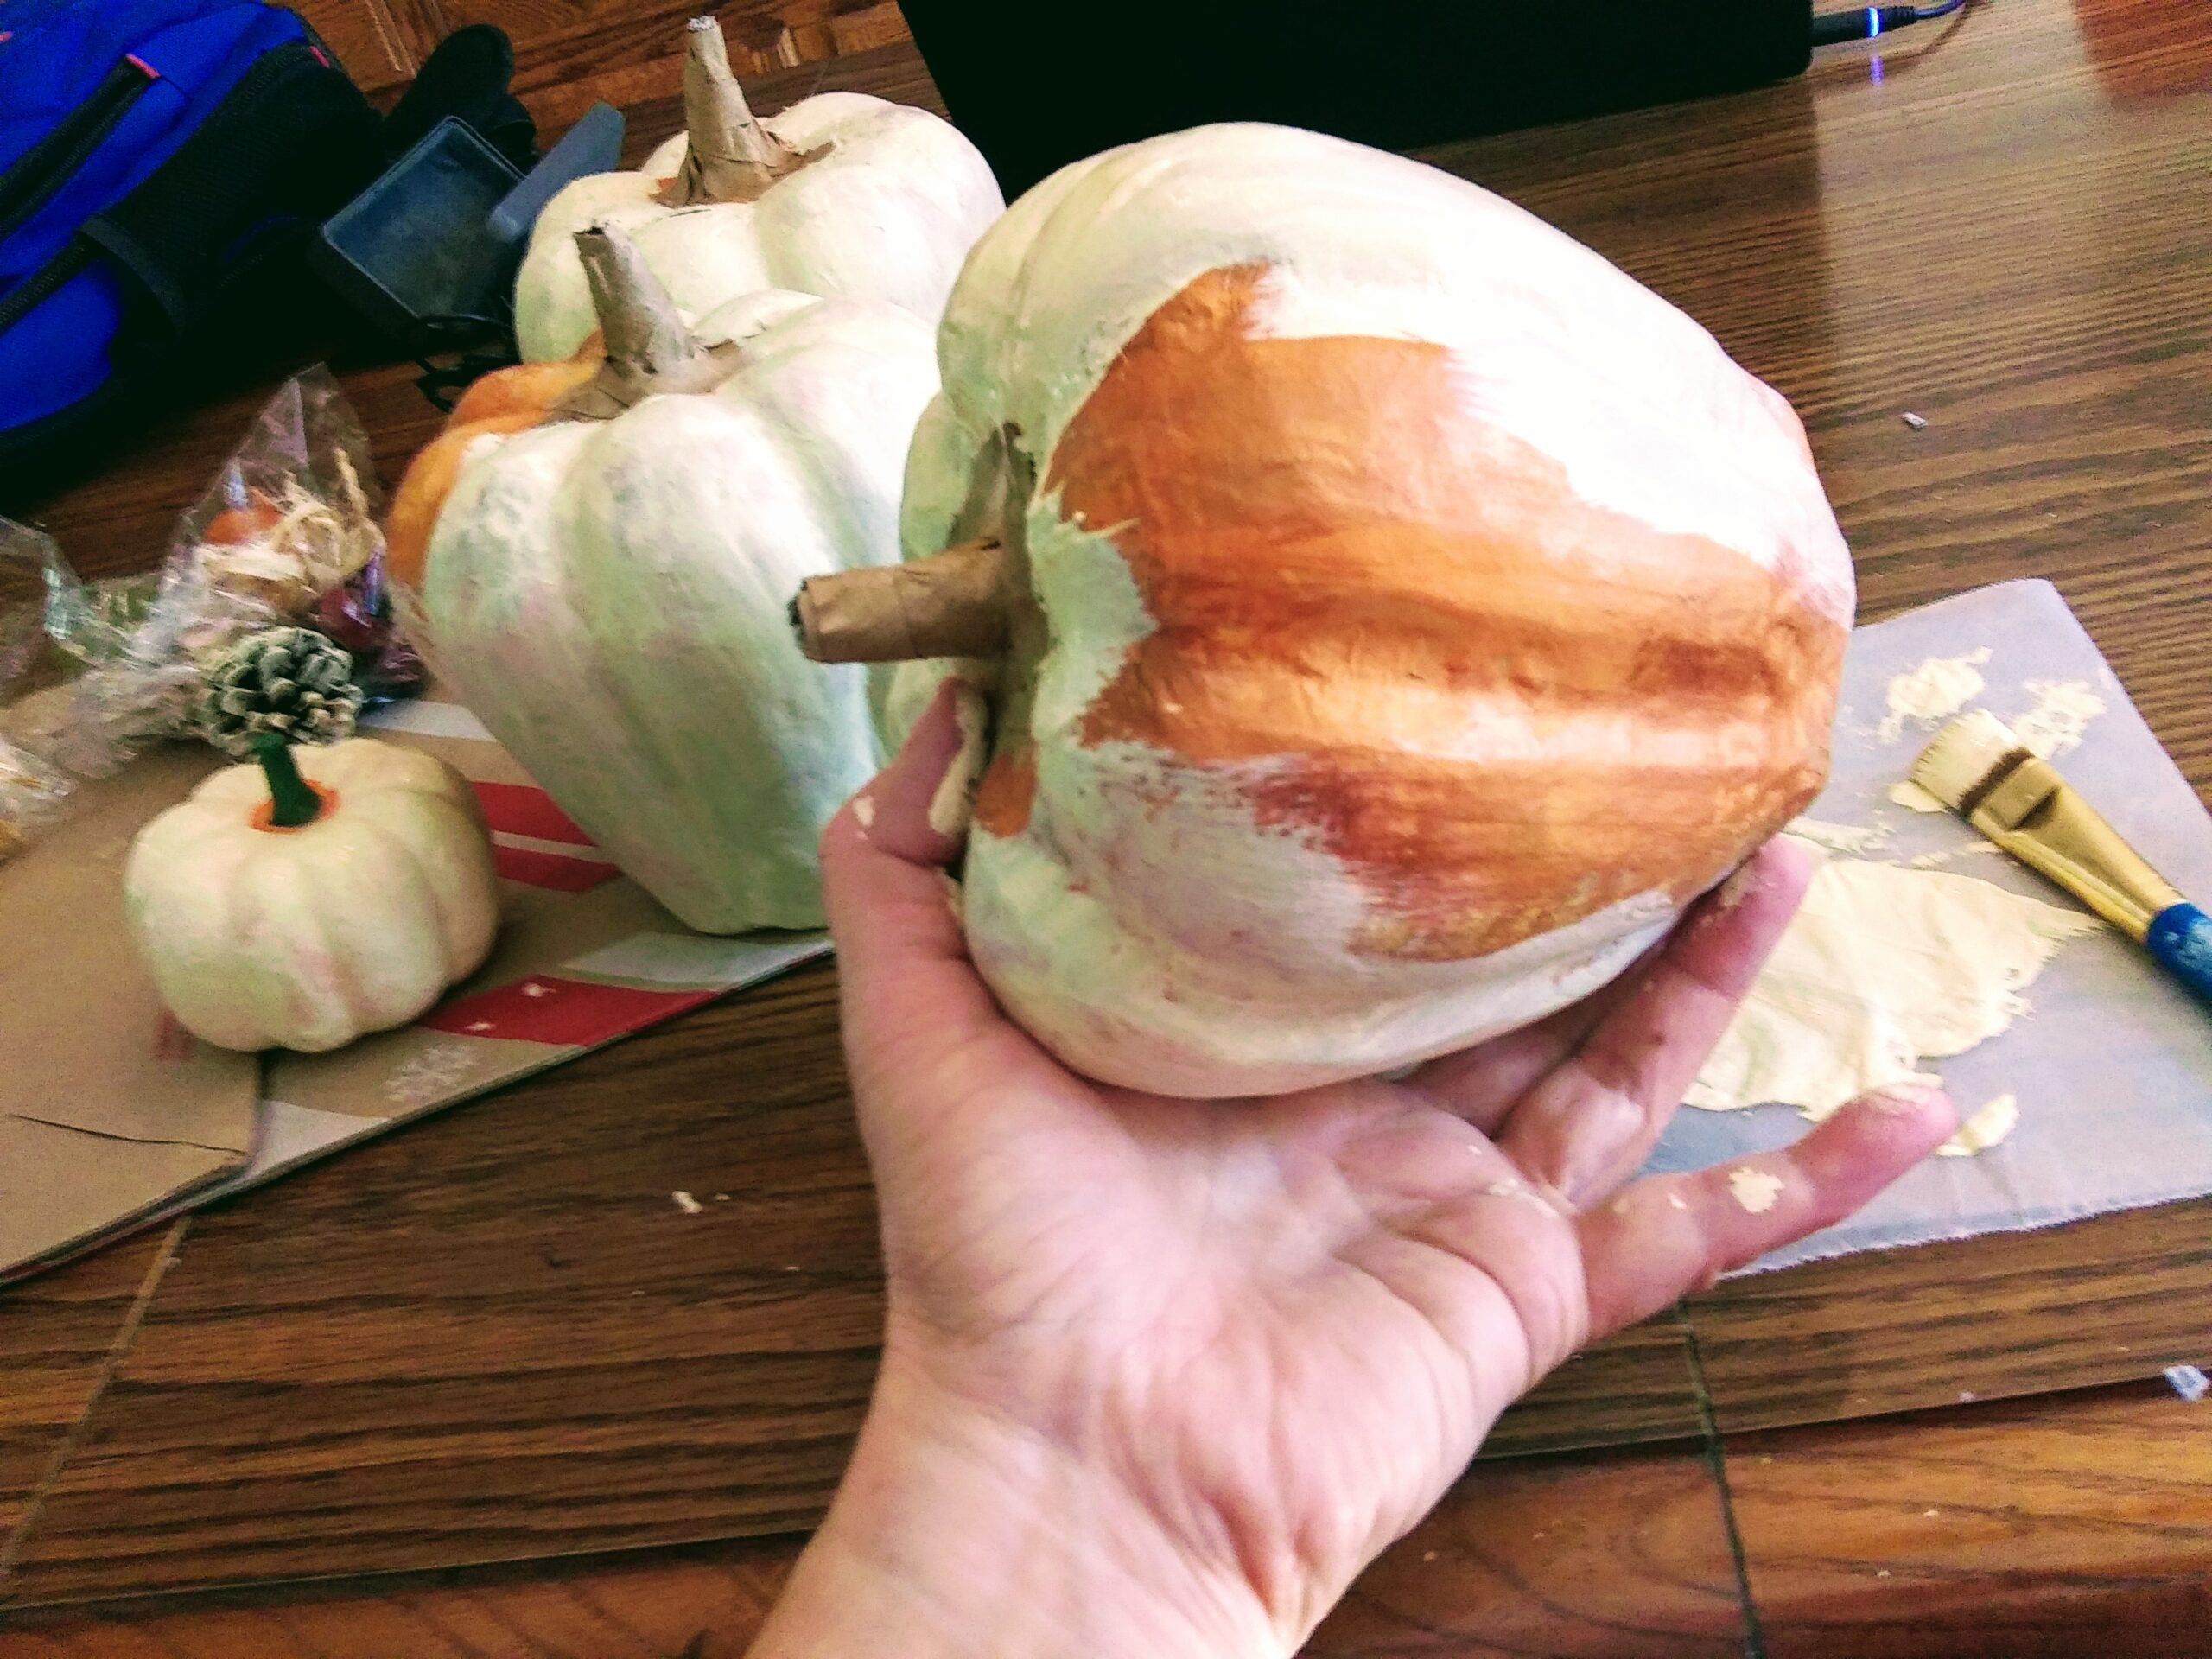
(2181, 939)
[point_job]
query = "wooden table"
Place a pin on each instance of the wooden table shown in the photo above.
(492, 1337)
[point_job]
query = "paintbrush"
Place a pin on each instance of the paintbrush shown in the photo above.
(1980, 770)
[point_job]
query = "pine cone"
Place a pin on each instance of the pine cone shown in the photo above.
(287, 680)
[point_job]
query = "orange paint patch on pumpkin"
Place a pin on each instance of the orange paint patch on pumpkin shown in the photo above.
(413, 517)
(535, 387)
(1502, 707)
(1008, 792)
(503, 402)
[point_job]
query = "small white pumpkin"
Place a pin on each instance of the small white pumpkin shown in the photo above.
(609, 592)
(841, 194)
(301, 902)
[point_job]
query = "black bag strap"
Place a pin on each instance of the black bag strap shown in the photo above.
(293, 141)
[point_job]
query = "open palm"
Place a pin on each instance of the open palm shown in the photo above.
(1285, 1324)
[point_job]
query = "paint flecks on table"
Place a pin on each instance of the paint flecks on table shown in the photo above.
(2062, 711)
(1936, 691)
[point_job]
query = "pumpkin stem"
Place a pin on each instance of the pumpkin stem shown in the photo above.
(951, 604)
(292, 799)
(731, 156)
(649, 347)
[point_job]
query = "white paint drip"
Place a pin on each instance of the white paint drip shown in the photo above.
(1938, 689)
(1984, 1128)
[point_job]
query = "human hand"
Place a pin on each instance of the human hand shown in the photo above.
(1160, 1376)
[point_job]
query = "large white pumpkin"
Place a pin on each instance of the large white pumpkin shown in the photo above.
(1407, 612)
(610, 596)
(841, 194)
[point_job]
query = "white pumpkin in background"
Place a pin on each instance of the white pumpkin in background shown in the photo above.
(317, 895)
(1400, 615)
(609, 590)
(841, 194)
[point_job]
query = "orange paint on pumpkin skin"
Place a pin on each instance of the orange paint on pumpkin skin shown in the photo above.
(503, 402)
(413, 517)
(1349, 571)
(1008, 792)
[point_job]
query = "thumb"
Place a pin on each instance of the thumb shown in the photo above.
(909, 997)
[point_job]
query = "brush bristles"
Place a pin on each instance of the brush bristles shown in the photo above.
(1965, 758)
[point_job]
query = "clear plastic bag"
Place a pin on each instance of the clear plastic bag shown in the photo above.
(32, 698)
(288, 533)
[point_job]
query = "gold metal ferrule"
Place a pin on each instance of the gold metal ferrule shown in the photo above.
(2034, 814)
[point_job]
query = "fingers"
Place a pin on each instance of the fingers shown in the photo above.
(904, 976)
(916, 807)
(1484, 1084)
(1668, 1235)
(1588, 1126)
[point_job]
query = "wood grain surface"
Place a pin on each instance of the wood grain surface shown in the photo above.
(1535, 1558)
(2107, 1299)
(63, 1335)
(2041, 1529)
(429, 1352)
(493, 1335)
(571, 53)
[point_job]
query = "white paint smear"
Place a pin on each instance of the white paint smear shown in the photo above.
(1984, 1129)
(1882, 968)
(2062, 711)
(1936, 691)
(1914, 798)
(1932, 861)
(1840, 837)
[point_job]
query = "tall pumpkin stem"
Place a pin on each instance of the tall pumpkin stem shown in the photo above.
(292, 799)
(649, 347)
(731, 156)
(643, 329)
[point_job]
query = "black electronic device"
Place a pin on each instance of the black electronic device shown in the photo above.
(1039, 85)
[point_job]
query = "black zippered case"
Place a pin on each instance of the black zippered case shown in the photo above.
(116, 280)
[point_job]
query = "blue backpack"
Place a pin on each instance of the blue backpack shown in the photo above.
(155, 157)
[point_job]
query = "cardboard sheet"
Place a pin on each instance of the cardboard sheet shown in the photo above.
(2113, 1066)
(111, 1117)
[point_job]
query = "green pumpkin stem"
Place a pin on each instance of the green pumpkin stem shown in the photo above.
(292, 799)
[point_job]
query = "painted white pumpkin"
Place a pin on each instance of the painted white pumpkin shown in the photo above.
(610, 596)
(841, 194)
(1407, 614)
(263, 935)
